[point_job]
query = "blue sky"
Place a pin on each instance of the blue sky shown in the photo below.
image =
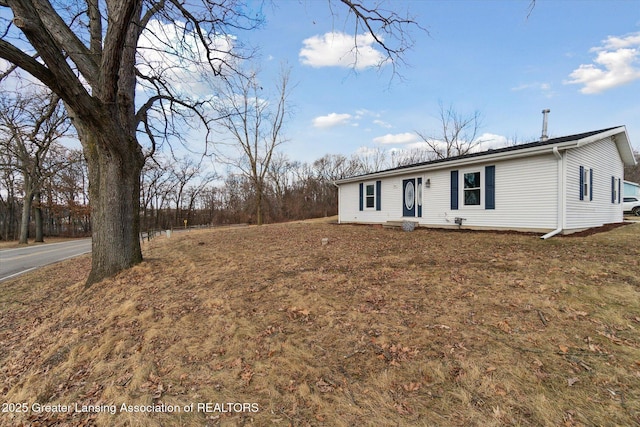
(580, 59)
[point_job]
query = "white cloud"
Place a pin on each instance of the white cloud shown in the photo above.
(366, 113)
(544, 88)
(367, 151)
(418, 145)
(399, 138)
(382, 123)
(331, 120)
(4, 65)
(630, 40)
(617, 63)
(491, 141)
(337, 49)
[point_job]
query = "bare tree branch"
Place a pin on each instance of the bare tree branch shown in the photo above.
(457, 136)
(389, 30)
(255, 126)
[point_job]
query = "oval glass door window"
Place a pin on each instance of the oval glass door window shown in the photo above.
(409, 195)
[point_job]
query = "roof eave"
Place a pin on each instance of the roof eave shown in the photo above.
(619, 135)
(621, 139)
(464, 161)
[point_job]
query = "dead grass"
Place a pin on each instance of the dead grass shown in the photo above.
(378, 327)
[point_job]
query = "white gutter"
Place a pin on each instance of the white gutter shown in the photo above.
(556, 152)
(338, 187)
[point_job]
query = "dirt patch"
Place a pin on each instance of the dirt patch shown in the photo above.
(269, 326)
(601, 229)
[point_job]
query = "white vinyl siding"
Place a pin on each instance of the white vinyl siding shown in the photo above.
(525, 196)
(349, 203)
(603, 158)
(526, 192)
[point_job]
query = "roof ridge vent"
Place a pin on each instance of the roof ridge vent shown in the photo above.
(545, 114)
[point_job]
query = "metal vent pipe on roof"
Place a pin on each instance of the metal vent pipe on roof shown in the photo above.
(545, 114)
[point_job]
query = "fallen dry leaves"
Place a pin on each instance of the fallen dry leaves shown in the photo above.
(376, 326)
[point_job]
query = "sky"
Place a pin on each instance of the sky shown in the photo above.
(500, 58)
(578, 58)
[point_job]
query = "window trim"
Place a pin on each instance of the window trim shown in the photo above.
(586, 184)
(479, 188)
(371, 196)
(365, 198)
(486, 188)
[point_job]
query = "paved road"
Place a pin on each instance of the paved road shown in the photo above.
(14, 262)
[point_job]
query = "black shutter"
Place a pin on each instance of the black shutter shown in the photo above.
(419, 196)
(613, 189)
(590, 184)
(490, 187)
(619, 189)
(361, 196)
(378, 195)
(454, 190)
(581, 182)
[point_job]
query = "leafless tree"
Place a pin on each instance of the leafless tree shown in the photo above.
(183, 171)
(156, 185)
(410, 156)
(332, 167)
(280, 177)
(328, 169)
(458, 134)
(69, 189)
(92, 55)
(8, 197)
(255, 125)
(370, 160)
(30, 127)
(632, 173)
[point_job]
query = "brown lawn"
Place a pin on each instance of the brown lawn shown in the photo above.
(267, 326)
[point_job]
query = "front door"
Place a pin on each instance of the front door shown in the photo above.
(409, 197)
(412, 197)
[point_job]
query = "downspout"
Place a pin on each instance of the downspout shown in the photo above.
(560, 196)
(338, 187)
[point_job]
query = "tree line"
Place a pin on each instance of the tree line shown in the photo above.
(44, 186)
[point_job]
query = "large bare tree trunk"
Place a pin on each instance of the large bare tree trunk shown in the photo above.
(114, 194)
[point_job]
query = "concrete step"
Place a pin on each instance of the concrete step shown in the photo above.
(398, 224)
